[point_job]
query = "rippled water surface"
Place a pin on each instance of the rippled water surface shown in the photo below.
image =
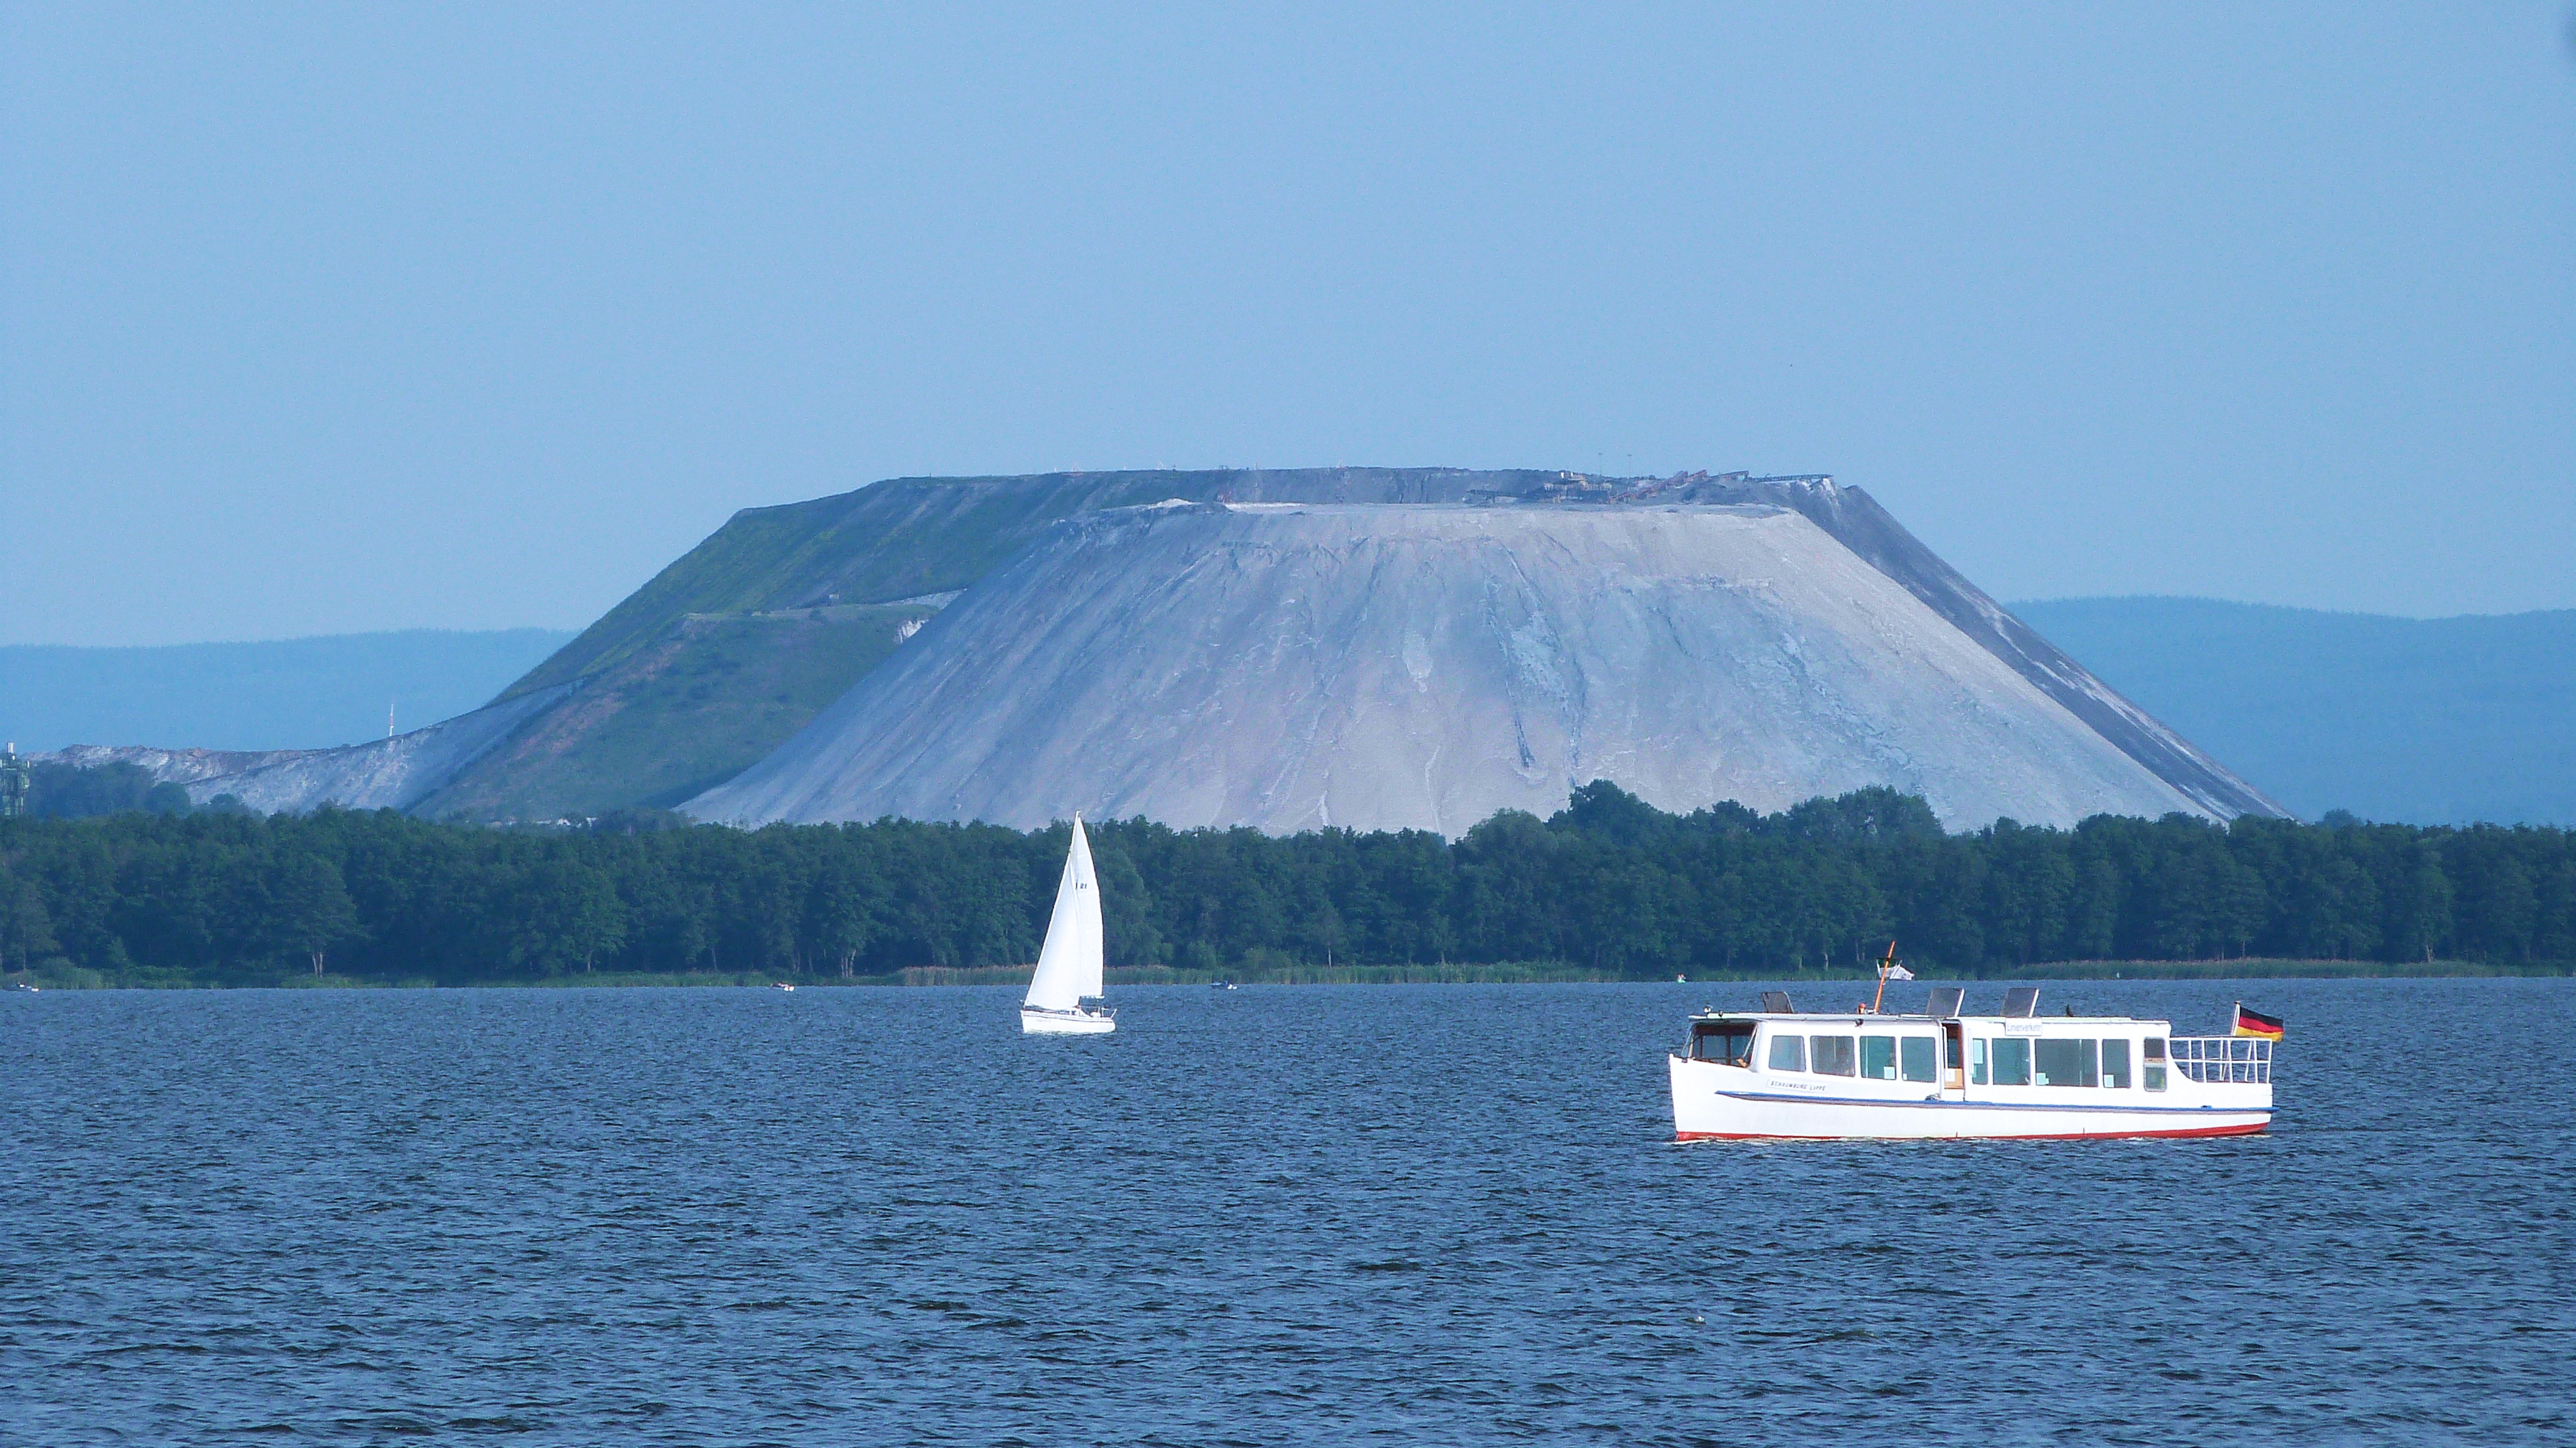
(1444, 1214)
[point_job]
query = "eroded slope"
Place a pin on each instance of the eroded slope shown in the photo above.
(1424, 666)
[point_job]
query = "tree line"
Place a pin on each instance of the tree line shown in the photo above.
(1610, 883)
(72, 792)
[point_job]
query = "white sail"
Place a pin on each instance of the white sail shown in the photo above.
(1069, 962)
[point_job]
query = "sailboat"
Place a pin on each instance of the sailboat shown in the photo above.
(1068, 973)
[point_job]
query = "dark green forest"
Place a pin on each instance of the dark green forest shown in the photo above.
(61, 791)
(1611, 884)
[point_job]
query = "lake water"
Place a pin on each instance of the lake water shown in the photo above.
(1441, 1214)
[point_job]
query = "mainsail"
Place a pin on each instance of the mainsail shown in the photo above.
(1069, 962)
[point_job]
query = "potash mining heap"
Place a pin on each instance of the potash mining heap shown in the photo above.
(1367, 648)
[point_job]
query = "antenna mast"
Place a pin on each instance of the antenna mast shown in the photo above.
(15, 780)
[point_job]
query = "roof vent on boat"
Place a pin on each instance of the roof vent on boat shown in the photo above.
(2021, 1000)
(1945, 1001)
(1777, 1003)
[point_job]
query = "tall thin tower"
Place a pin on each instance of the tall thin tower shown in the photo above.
(16, 779)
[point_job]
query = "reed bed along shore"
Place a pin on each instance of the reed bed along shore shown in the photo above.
(1294, 973)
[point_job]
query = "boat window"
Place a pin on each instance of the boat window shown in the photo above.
(1919, 1055)
(2012, 1062)
(1788, 1053)
(2155, 1048)
(1878, 1058)
(1977, 1055)
(2066, 1063)
(2155, 1078)
(1730, 1043)
(2115, 1065)
(1951, 1055)
(1833, 1054)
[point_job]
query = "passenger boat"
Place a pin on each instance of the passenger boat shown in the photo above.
(1946, 1075)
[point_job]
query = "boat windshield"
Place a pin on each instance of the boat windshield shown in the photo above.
(1728, 1041)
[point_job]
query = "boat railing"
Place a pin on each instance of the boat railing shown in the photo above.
(2243, 1060)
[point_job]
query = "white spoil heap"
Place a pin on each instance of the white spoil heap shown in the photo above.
(1291, 666)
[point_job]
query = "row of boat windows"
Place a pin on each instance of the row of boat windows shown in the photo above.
(1992, 1061)
(2062, 1063)
(1880, 1058)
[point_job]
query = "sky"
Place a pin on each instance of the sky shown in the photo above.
(336, 318)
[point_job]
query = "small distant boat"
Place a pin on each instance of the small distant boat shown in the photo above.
(1063, 993)
(782, 985)
(1220, 985)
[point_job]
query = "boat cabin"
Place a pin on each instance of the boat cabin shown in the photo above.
(1944, 1072)
(1948, 1050)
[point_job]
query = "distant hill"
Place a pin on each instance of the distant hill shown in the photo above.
(307, 693)
(739, 647)
(740, 644)
(1293, 666)
(2425, 721)
(2430, 721)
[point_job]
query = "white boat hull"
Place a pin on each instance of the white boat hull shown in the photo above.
(1717, 1102)
(1036, 1022)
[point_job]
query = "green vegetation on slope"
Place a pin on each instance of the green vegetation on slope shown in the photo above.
(898, 539)
(711, 665)
(691, 710)
(1608, 885)
(671, 703)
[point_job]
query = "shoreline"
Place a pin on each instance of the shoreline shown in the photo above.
(1500, 973)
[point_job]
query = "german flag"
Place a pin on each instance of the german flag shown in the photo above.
(2255, 1023)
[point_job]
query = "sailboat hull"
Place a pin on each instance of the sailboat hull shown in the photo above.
(1036, 1022)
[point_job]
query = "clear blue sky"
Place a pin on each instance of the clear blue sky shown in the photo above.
(356, 317)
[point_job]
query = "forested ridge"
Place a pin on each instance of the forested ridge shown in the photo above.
(1609, 883)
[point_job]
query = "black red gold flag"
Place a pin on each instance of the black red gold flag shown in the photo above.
(2255, 1023)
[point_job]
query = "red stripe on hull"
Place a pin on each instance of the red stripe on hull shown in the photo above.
(2246, 1130)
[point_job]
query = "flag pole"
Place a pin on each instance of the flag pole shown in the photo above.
(1881, 998)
